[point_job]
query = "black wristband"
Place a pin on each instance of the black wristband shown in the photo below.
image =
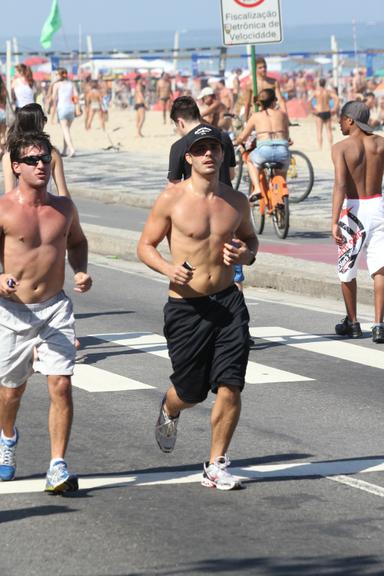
(253, 258)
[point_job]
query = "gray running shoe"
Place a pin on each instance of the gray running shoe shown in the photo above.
(59, 480)
(166, 430)
(378, 334)
(217, 476)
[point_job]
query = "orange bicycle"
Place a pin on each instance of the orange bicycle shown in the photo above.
(273, 200)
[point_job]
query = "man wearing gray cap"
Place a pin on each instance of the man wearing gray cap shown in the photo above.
(209, 229)
(358, 214)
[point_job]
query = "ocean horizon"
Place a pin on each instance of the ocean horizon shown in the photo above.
(298, 39)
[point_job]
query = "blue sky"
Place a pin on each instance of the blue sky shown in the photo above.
(25, 17)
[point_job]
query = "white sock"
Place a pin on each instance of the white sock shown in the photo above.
(12, 439)
(55, 461)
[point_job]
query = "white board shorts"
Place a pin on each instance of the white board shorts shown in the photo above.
(362, 226)
(48, 326)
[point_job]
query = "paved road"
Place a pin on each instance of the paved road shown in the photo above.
(309, 446)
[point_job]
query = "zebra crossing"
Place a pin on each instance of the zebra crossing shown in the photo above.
(96, 379)
(92, 378)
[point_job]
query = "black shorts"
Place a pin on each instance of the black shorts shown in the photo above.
(208, 342)
(324, 116)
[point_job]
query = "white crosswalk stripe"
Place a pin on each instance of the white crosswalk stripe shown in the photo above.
(335, 348)
(155, 344)
(95, 379)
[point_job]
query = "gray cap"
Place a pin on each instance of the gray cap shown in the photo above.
(359, 113)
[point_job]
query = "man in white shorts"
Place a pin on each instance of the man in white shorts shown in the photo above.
(37, 229)
(358, 213)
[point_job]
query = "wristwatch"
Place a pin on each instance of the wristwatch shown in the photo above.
(253, 257)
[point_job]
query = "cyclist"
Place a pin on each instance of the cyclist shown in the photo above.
(272, 131)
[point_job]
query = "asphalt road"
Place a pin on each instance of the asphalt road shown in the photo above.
(309, 446)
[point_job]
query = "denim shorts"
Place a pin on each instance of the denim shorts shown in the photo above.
(271, 151)
(67, 113)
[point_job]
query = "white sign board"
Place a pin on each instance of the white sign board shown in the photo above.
(251, 22)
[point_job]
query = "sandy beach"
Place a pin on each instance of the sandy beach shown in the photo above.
(159, 137)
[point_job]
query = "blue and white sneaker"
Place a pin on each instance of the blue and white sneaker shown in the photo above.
(59, 480)
(8, 458)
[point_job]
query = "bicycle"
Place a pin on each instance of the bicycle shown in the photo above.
(300, 175)
(273, 200)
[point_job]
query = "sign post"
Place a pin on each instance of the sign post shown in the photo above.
(251, 22)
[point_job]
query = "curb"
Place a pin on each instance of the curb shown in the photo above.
(272, 271)
(300, 217)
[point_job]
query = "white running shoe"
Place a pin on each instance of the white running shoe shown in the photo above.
(217, 476)
(166, 430)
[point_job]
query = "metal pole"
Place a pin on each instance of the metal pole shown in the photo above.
(16, 50)
(354, 35)
(8, 66)
(176, 43)
(254, 76)
(335, 62)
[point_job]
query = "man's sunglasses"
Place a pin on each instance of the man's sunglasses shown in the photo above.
(34, 160)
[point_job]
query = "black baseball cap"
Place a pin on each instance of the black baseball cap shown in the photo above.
(202, 132)
(359, 113)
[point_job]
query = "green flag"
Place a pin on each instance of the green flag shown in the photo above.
(51, 25)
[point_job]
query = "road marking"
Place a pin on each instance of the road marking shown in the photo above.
(360, 484)
(93, 379)
(155, 344)
(315, 343)
(333, 470)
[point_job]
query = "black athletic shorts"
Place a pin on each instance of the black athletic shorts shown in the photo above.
(208, 342)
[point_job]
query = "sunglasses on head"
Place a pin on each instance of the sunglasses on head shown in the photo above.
(34, 160)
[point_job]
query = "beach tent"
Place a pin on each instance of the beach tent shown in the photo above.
(123, 65)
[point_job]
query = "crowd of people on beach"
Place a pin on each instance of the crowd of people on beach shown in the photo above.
(314, 92)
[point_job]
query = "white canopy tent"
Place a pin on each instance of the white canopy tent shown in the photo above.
(121, 65)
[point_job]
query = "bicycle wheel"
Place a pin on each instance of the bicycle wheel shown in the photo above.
(300, 177)
(280, 218)
(238, 169)
(258, 213)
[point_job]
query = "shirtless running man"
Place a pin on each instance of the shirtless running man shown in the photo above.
(209, 229)
(37, 229)
(358, 213)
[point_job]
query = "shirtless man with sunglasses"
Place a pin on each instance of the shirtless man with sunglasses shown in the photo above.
(37, 230)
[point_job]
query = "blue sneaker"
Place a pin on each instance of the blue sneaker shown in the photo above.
(59, 480)
(8, 458)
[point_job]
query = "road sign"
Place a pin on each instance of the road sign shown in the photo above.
(251, 22)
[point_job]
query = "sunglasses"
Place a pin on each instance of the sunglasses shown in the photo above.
(34, 160)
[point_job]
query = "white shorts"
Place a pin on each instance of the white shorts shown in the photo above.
(362, 227)
(47, 326)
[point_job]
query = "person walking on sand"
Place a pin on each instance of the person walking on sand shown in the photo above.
(358, 214)
(209, 229)
(321, 103)
(23, 86)
(37, 230)
(264, 82)
(164, 93)
(140, 105)
(94, 103)
(64, 96)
